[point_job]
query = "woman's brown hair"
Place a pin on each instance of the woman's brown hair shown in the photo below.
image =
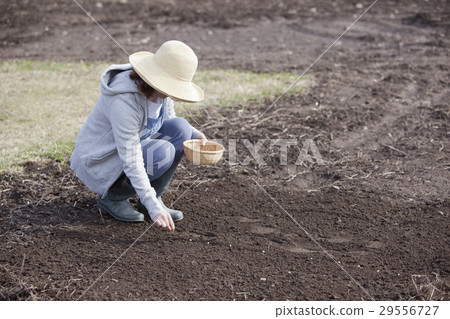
(143, 87)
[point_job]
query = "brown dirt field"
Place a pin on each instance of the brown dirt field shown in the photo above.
(378, 113)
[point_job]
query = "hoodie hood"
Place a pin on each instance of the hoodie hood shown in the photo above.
(116, 79)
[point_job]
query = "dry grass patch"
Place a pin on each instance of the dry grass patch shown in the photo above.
(43, 104)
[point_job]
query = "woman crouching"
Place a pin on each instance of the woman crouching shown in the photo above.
(132, 141)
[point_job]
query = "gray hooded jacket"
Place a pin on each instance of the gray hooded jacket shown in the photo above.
(109, 141)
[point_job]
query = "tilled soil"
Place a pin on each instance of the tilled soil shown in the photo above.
(371, 221)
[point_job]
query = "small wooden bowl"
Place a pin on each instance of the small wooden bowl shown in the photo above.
(208, 154)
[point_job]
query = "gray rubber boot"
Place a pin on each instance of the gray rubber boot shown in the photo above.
(161, 184)
(116, 202)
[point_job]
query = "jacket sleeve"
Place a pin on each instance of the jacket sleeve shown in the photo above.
(171, 114)
(126, 118)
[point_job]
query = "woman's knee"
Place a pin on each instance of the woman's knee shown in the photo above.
(183, 126)
(177, 129)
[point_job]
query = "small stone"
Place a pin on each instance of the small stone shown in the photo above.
(145, 40)
(359, 6)
(99, 5)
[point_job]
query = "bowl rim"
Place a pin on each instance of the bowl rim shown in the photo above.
(192, 141)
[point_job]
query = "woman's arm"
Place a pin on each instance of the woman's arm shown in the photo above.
(126, 118)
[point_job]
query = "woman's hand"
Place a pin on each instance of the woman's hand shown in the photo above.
(202, 138)
(165, 220)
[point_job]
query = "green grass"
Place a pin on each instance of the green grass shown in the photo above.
(43, 104)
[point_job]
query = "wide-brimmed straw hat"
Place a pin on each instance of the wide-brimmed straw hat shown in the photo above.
(170, 70)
